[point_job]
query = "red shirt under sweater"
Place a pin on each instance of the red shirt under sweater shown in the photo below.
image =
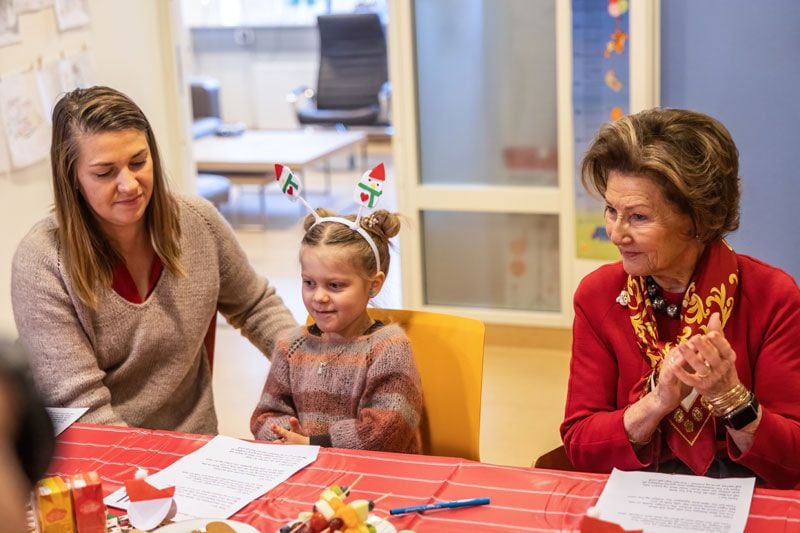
(123, 284)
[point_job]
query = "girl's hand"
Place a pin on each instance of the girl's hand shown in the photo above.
(709, 362)
(295, 435)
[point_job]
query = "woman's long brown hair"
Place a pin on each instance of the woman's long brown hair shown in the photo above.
(88, 254)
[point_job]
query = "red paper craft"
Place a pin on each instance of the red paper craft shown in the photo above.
(149, 506)
(140, 490)
(378, 173)
(595, 525)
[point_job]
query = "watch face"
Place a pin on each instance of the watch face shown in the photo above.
(743, 415)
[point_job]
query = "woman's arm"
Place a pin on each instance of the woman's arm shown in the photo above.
(774, 444)
(49, 322)
(390, 409)
(770, 444)
(246, 299)
(599, 432)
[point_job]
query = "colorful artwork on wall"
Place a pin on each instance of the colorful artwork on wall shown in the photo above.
(600, 93)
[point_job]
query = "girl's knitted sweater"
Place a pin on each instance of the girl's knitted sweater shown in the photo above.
(364, 393)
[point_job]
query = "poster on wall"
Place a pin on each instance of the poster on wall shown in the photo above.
(25, 6)
(57, 77)
(9, 23)
(27, 131)
(600, 93)
(71, 14)
(5, 161)
(76, 71)
(48, 81)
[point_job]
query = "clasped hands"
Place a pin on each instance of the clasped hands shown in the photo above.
(705, 363)
(295, 435)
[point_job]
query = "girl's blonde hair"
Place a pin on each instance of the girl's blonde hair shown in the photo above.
(381, 226)
(88, 254)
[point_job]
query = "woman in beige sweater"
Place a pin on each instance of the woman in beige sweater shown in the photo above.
(115, 293)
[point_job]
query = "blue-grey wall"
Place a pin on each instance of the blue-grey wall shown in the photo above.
(739, 61)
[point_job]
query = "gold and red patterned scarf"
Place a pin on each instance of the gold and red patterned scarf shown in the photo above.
(712, 289)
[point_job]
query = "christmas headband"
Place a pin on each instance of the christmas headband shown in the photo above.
(367, 194)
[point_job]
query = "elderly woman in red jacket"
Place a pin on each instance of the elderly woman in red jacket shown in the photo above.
(686, 354)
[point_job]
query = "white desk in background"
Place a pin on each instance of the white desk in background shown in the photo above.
(250, 157)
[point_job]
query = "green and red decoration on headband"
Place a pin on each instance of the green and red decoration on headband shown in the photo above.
(370, 188)
(289, 183)
(368, 191)
(367, 194)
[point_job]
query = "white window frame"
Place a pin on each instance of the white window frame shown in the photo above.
(413, 196)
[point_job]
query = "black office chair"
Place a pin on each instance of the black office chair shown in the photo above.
(352, 87)
(205, 106)
(207, 120)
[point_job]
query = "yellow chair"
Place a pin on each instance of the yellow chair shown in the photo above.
(448, 350)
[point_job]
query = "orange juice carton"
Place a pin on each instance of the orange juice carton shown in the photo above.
(87, 503)
(53, 506)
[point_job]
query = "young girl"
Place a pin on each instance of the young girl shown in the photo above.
(346, 381)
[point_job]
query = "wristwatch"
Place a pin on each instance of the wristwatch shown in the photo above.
(741, 416)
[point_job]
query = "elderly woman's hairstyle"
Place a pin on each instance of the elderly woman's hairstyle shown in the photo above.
(689, 155)
(89, 257)
(380, 224)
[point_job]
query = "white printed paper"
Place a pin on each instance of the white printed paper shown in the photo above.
(27, 131)
(63, 417)
(672, 503)
(225, 475)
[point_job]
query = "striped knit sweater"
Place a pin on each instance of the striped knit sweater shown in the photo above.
(365, 393)
(142, 364)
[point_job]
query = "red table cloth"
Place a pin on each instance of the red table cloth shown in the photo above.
(522, 499)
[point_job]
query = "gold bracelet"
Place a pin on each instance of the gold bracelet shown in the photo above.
(724, 404)
(640, 444)
(731, 402)
(728, 401)
(726, 396)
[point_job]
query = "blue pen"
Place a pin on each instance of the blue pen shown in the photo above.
(441, 505)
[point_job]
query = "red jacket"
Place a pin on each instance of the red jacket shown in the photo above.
(764, 330)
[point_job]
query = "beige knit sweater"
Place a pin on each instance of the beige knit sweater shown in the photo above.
(141, 364)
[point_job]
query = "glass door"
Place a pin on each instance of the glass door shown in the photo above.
(482, 157)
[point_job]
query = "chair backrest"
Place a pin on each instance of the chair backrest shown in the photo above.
(555, 459)
(353, 63)
(448, 350)
(205, 97)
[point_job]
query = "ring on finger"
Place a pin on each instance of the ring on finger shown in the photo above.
(702, 376)
(708, 365)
